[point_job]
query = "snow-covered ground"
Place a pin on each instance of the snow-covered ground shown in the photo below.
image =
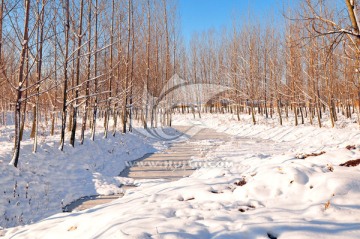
(48, 180)
(270, 191)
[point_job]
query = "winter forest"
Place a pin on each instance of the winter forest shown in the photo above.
(70, 62)
(87, 70)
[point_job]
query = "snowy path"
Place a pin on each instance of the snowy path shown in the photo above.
(174, 163)
(169, 165)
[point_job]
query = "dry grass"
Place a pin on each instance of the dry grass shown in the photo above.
(241, 182)
(304, 156)
(351, 163)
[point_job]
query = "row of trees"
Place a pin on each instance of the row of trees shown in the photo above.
(83, 58)
(65, 59)
(310, 68)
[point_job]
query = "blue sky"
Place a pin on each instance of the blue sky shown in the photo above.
(200, 15)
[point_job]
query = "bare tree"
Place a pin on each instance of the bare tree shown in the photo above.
(77, 82)
(15, 158)
(66, 79)
(39, 60)
(93, 131)
(87, 85)
(126, 83)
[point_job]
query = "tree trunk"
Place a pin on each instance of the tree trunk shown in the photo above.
(127, 69)
(279, 111)
(16, 152)
(93, 131)
(23, 118)
(87, 90)
(39, 46)
(75, 107)
(64, 107)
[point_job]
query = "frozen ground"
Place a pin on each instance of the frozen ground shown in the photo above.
(257, 185)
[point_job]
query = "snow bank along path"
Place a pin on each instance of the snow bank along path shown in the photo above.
(171, 164)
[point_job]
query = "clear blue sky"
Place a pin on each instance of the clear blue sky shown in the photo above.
(200, 15)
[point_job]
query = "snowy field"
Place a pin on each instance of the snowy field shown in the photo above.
(284, 182)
